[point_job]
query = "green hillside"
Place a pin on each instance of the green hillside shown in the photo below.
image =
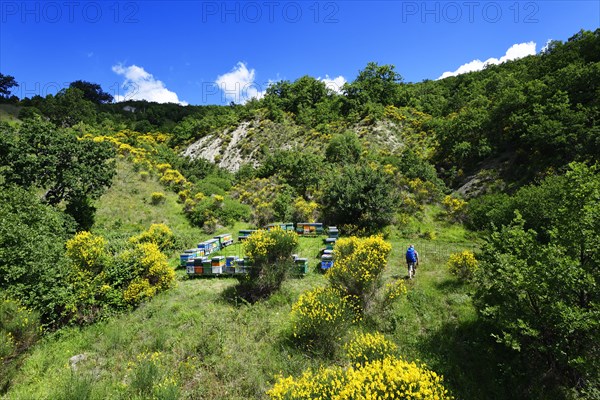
(492, 175)
(196, 341)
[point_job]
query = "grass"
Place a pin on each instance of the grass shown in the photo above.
(127, 207)
(193, 342)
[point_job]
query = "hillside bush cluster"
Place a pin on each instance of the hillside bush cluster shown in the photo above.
(76, 279)
(105, 282)
(320, 318)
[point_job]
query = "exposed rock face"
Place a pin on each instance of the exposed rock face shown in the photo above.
(246, 144)
(211, 148)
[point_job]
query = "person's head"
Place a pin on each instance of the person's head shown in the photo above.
(411, 246)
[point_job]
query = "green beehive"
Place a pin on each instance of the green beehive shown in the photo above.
(301, 265)
(206, 266)
(244, 233)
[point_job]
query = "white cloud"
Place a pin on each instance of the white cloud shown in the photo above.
(334, 84)
(141, 85)
(239, 86)
(546, 46)
(516, 51)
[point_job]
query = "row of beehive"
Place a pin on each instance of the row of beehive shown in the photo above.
(302, 228)
(327, 257)
(197, 261)
(206, 248)
(232, 265)
(218, 265)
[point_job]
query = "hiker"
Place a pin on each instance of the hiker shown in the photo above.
(412, 261)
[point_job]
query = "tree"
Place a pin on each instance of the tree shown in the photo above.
(376, 84)
(359, 195)
(68, 169)
(344, 148)
(7, 82)
(299, 169)
(92, 92)
(68, 108)
(32, 263)
(539, 292)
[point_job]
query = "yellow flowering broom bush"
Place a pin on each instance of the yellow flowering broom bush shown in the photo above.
(455, 207)
(150, 270)
(87, 251)
(270, 255)
(157, 198)
(368, 347)
(268, 247)
(463, 265)
(389, 378)
(174, 179)
(89, 259)
(320, 319)
(159, 234)
(358, 267)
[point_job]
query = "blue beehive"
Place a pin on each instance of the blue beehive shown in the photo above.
(326, 261)
(190, 253)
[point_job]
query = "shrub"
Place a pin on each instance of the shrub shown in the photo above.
(173, 179)
(456, 208)
(463, 265)
(138, 290)
(320, 318)
(159, 234)
(269, 247)
(368, 347)
(149, 270)
(87, 251)
(270, 253)
(157, 198)
(304, 211)
(19, 328)
(206, 212)
(358, 267)
(388, 378)
(89, 259)
(144, 176)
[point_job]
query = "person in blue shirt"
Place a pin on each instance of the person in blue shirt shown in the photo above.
(412, 261)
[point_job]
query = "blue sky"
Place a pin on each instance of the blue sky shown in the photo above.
(214, 52)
